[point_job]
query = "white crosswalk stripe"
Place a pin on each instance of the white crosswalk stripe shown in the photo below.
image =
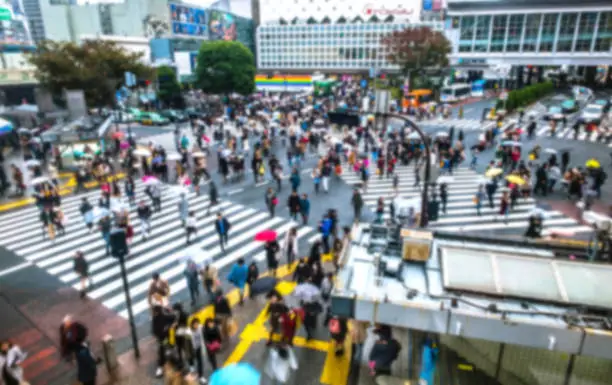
(567, 133)
(461, 214)
(164, 251)
(459, 124)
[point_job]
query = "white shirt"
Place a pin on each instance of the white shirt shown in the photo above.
(192, 222)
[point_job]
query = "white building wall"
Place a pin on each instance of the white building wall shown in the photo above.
(134, 44)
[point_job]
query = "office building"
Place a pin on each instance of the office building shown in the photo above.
(531, 32)
(339, 47)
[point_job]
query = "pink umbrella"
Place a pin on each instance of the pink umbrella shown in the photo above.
(206, 138)
(124, 145)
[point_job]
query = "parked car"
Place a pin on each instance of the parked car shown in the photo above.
(174, 116)
(592, 113)
(152, 119)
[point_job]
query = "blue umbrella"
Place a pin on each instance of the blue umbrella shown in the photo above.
(236, 374)
(5, 126)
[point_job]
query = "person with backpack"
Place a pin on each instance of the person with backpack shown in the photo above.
(383, 354)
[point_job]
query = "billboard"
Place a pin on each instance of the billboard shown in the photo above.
(188, 21)
(13, 25)
(221, 25)
(84, 2)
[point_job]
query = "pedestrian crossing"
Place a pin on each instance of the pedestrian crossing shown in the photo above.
(459, 124)
(461, 214)
(543, 130)
(165, 250)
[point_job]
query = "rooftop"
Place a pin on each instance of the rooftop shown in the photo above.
(499, 292)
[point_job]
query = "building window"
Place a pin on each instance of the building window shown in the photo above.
(532, 28)
(566, 32)
(586, 27)
(498, 36)
(549, 27)
(466, 34)
(604, 33)
(515, 30)
(483, 24)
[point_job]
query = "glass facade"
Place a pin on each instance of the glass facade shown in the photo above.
(326, 46)
(536, 32)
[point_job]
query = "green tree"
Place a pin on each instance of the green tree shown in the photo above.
(311, 20)
(389, 19)
(326, 20)
(169, 89)
(358, 19)
(282, 21)
(224, 67)
(341, 20)
(97, 67)
(415, 49)
(374, 19)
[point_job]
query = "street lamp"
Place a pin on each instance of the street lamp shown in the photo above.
(425, 194)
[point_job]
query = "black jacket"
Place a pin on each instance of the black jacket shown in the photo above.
(81, 267)
(144, 212)
(161, 323)
(294, 203)
(222, 306)
(87, 369)
(72, 337)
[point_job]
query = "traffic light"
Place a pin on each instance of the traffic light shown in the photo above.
(118, 243)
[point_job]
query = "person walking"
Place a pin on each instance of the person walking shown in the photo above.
(305, 208)
(105, 226)
(271, 201)
(197, 344)
(272, 249)
(87, 365)
(293, 203)
(154, 192)
(504, 206)
(130, 189)
(444, 196)
(181, 332)
(144, 215)
(183, 208)
(238, 277)
(222, 226)
(326, 228)
(161, 322)
(295, 179)
(72, 334)
(212, 340)
(191, 226)
(478, 198)
(223, 312)
(209, 279)
(316, 179)
(252, 276)
(193, 282)
(11, 358)
(357, 202)
(86, 210)
(213, 196)
(291, 245)
(81, 268)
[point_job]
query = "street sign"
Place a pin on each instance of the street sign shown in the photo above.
(503, 96)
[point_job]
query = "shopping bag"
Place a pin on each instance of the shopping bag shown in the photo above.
(276, 367)
(232, 327)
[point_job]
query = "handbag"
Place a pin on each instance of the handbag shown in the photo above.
(213, 346)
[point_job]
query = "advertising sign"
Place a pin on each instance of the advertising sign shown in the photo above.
(221, 25)
(188, 21)
(193, 60)
(427, 5)
(436, 5)
(398, 11)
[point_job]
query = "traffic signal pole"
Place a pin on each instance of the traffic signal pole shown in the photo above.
(128, 303)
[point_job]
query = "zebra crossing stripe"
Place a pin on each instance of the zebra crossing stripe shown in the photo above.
(461, 213)
(164, 251)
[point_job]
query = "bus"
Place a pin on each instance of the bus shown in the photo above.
(417, 98)
(455, 93)
(478, 88)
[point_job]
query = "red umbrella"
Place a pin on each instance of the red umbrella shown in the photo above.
(304, 139)
(118, 135)
(266, 236)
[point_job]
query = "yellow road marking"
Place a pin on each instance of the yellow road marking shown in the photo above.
(336, 369)
(65, 189)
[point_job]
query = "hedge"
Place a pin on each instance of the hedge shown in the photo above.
(525, 96)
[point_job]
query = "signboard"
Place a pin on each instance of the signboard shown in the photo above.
(503, 96)
(75, 101)
(436, 5)
(398, 11)
(221, 25)
(188, 21)
(193, 61)
(427, 5)
(84, 2)
(5, 13)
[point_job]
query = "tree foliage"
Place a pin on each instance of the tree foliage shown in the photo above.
(341, 20)
(374, 19)
(169, 89)
(295, 21)
(416, 48)
(326, 20)
(358, 19)
(311, 20)
(389, 19)
(282, 21)
(97, 67)
(224, 67)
